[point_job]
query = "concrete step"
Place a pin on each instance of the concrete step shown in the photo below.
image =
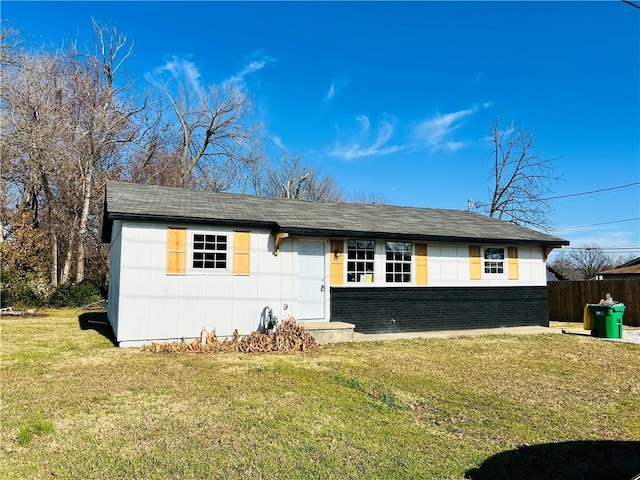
(330, 332)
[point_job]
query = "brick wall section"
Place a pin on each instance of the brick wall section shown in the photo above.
(373, 310)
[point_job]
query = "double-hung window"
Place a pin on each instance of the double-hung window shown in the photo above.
(209, 252)
(398, 262)
(493, 260)
(360, 260)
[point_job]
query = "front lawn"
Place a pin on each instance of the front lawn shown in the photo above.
(546, 406)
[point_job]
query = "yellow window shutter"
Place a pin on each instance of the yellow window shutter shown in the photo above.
(176, 251)
(241, 253)
(337, 262)
(421, 264)
(512, 253)
(475, 262)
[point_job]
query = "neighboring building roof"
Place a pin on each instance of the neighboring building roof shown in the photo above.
(622, 270)
(553, 275)
(153, 203)
(630, 263)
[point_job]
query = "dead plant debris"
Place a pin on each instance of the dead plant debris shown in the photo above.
(288, 337)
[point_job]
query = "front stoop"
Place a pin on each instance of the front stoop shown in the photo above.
(330, 332)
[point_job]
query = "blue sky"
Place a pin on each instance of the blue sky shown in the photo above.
(396, 99)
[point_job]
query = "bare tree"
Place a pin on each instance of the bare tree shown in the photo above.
(215, 141)
(66, 117)
(154, 161)
(520, 178)
(291, 178)
(104, 111)
(373, 198)
(33, 155)
(9, 42)
(583, 263)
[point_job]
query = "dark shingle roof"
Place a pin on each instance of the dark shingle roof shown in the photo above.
(150, 202)
(630, 263)
(623, 270)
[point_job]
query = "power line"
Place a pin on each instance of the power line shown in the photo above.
(595, 224)
(592, 191)
(630, 3)
(598, 247)
(474, 204)
(629, 247)
(605, 249)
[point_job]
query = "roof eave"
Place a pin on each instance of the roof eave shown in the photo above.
(320, 232)
(421, 237)
(172, 219)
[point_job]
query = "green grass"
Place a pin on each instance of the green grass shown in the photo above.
(73, 406)
(31, 429)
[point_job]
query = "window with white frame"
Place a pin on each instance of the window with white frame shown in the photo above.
(398, 262)
(360, 260)
(209, 251)
(493, 260)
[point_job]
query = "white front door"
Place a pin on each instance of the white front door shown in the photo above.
(310, 280)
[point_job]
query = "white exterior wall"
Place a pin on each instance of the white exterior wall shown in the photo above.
(156, 306)
(449, 265)
(532, 266)
(147, 304)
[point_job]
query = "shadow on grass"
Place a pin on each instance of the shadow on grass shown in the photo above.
(98, 322)
(595, 460)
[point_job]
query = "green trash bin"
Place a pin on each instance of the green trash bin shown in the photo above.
(607, 320)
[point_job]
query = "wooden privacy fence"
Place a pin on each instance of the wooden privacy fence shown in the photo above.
(567, 299)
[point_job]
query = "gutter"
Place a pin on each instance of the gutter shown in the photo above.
(280, 232)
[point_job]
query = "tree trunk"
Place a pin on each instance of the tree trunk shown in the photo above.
(82, 231)
(54, 260)
(66, 269)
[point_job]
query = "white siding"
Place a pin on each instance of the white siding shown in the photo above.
(157, 306)
(449, 265)
(533, 268)
(147, 304)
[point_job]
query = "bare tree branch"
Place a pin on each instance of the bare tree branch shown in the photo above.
(291, 178)
(584, 263)
(521, 178)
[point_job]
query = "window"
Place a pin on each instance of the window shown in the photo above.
(398, 263)
(360, 256)
(493, 260)
(209, 251)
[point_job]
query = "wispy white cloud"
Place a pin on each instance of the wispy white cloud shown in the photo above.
(435, 132)
(337, 84)
(332, 92)
(278, 141)
(185, 72)
(251, 67)
(365, 124)
(246, 70)
(368, 143)
(178, 68)
(477, 79)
